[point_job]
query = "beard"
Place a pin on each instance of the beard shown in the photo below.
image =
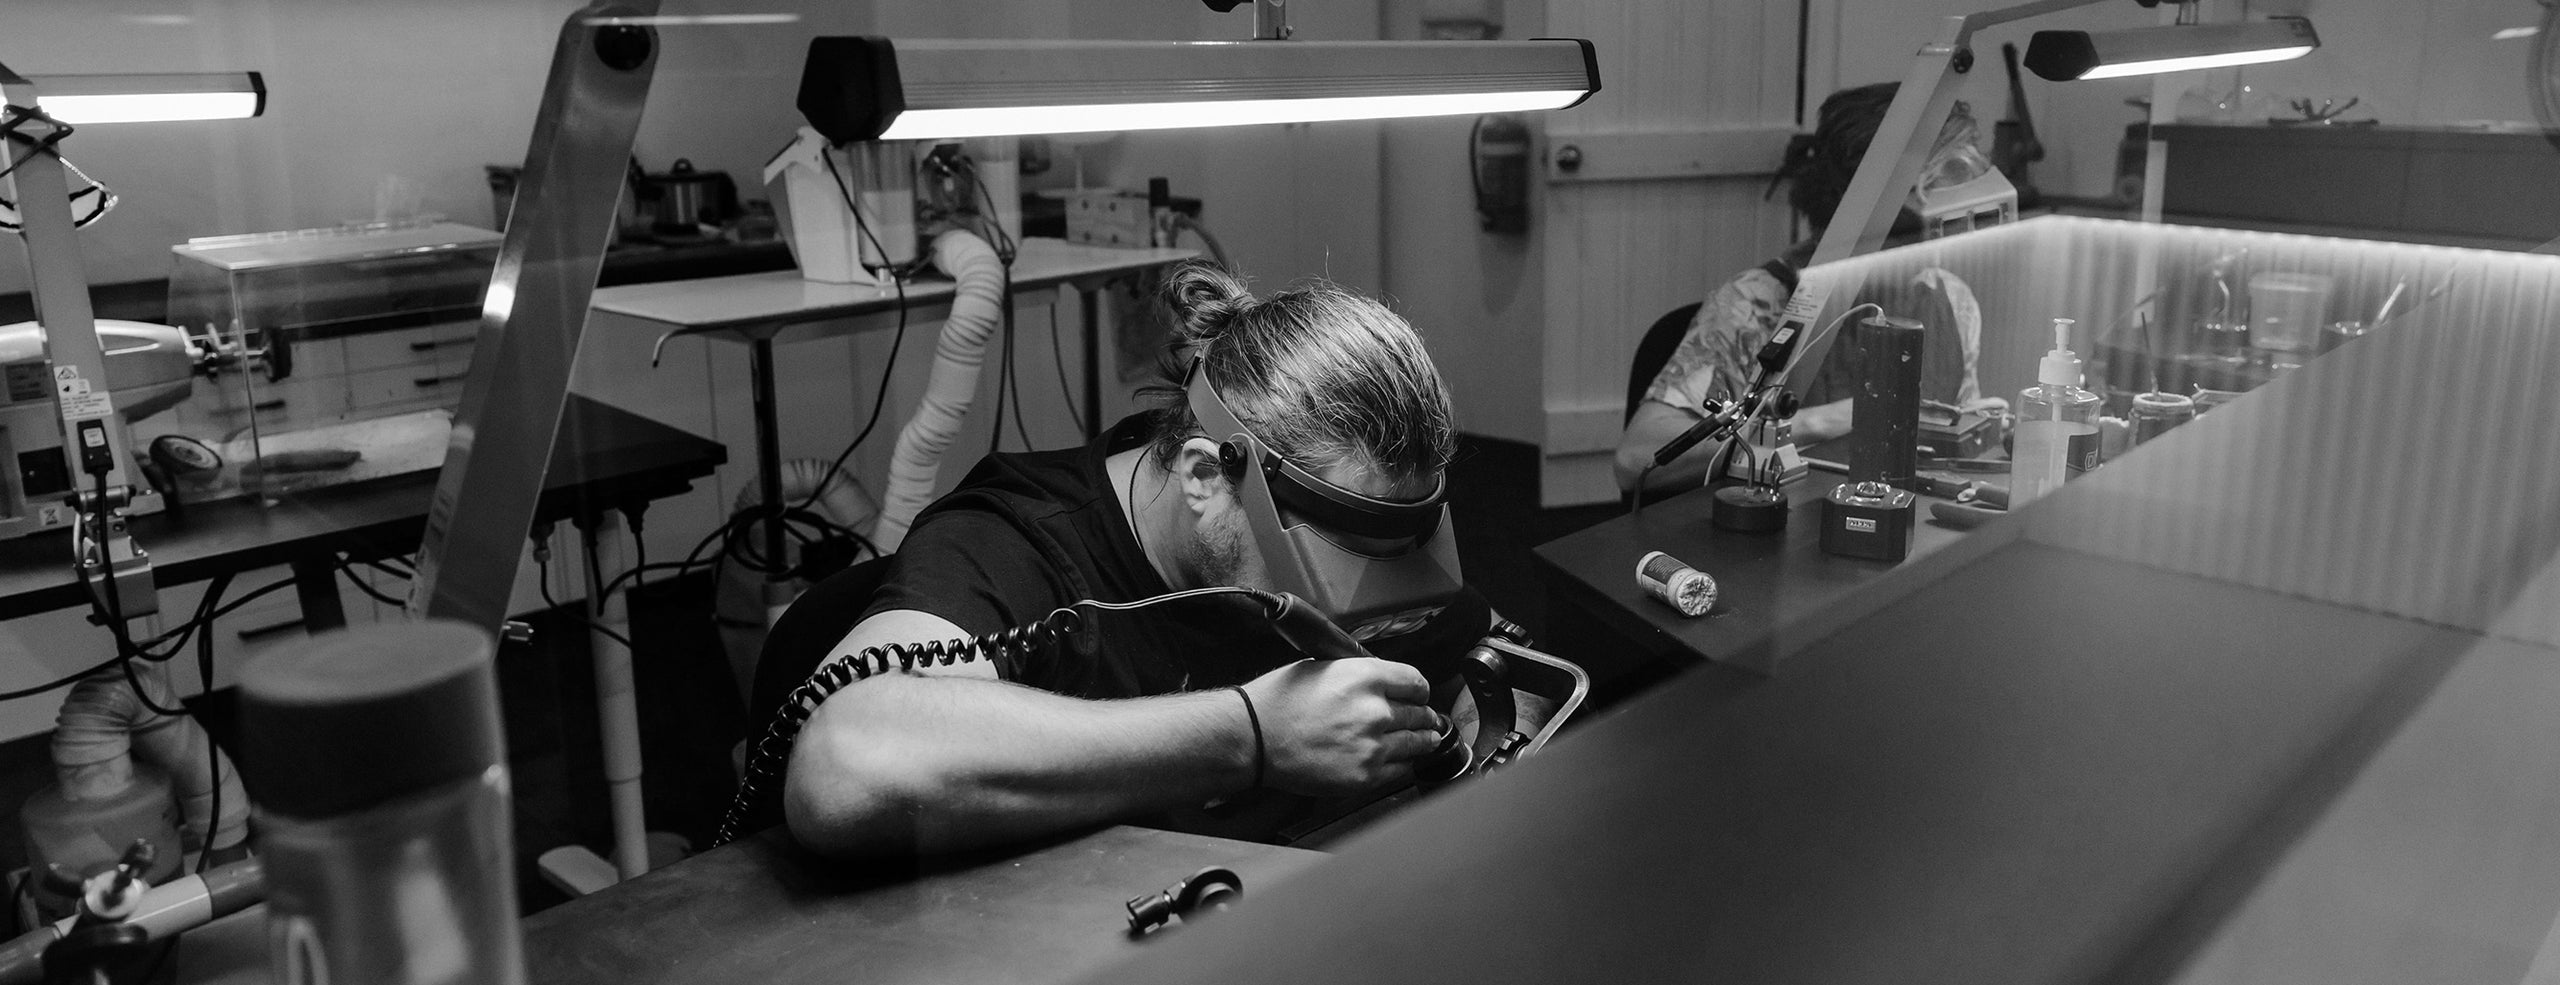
(1223, 553)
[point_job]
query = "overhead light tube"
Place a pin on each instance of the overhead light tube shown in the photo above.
(2065, 56)
(86, 99)
(870, 88)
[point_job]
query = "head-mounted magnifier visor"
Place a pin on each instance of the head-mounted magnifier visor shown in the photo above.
(1402, 572)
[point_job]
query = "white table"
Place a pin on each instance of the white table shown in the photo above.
(760, 310)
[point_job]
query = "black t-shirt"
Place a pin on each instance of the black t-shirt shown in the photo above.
(1027, 533)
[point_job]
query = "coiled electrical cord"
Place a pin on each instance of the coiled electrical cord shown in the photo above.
(772, 752)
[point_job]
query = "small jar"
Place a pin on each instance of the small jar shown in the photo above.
(380, 774)
(2155, 413)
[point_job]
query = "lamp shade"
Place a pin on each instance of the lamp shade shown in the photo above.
(2064, 56)
(89, 99)
(863, 88)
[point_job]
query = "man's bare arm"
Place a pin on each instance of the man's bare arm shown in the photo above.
(908, 762)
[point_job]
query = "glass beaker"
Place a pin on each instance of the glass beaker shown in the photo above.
(2288, 310)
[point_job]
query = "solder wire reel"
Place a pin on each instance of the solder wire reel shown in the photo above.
(1488, 671)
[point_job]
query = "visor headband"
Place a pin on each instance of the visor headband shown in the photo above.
(1301, 490)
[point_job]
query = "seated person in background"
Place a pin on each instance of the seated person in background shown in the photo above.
(1136, 714)
(1715, 358)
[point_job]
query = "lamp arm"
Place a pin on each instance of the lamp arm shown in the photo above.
(533, 315)
(1901, 145)
(60, 290)
(2037, 8)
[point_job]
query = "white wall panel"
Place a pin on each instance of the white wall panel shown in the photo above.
(1620, 254)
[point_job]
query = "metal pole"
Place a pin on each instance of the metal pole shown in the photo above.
(1088, 307)
(768, 455)
(617, 698)
(60, 290)
(534, 313)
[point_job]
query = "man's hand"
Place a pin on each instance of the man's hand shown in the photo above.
(1335, 727)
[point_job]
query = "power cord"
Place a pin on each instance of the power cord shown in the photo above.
(348, 569)
(1009, 379)
(897, 343)
(48, 145)
(196, 628)
(542, 573)
(212, 753)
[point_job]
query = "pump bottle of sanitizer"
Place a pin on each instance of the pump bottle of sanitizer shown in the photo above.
(2057, 425)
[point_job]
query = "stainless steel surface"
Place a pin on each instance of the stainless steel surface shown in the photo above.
(534, 314)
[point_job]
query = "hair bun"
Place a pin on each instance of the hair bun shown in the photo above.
(1204, 299)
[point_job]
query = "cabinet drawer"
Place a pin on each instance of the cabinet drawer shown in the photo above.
(317, 357)
(405, 388)
(291, 405)
(407, 346)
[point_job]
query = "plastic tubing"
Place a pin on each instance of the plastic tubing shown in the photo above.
(740, 602)
(103, 725)
(977, 306)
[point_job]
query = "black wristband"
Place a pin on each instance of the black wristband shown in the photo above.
(1254, 719)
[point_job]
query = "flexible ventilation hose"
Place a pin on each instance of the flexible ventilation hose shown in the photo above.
(103, 725)
(977, 306)
(741, 599)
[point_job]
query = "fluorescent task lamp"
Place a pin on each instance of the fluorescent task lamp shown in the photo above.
(2065, 56)
(871, 88)
(1891, 167)
(852, 89)
(1920, 107)
(85, 99)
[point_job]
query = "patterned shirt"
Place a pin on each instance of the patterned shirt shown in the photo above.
(1715, 358)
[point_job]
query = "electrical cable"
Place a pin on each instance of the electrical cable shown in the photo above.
(693, 559)
(542, 572)
(262, 591)
(595, 576)
(1004, 375)
(183, 631)
(114, 601)
(1013, 376)
(48, 145)
(212, 753)
(110, 663)
(1816, 340)
(897, 341)
(1217, 251)
(349, 569)
(1067, 391)
(1009, 378)
(639, 559)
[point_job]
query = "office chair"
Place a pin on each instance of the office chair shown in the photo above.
(1652, 353)
(1654, 350)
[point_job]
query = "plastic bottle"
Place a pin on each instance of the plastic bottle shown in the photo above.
(380, 774)
(2057, 425)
